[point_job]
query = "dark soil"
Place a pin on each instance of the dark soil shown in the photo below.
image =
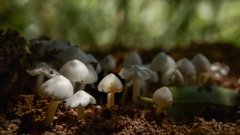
(25, 114)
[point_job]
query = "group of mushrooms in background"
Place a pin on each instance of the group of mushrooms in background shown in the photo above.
(82, 69)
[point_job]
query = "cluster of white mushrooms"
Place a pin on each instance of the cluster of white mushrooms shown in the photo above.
(69, 84)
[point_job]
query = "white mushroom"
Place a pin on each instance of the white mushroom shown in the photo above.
(80, 100)
(187, 69)
(162, 62)
(77, 71)
(58, 88)
(136, 74)
(108, 64)
(132, 58)
(110, 84)
(42, 70)
(163, 98)
(202, 65)
(171, 77)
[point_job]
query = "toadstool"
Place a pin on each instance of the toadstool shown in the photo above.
(132, 58)
(110, 84)
(163, 99)
(80, 100)
(58, 89)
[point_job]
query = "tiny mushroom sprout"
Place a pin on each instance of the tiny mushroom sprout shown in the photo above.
(202, 66)
(162, 62)
(172, 77)
(77, 71)
(58, 89)
(136, 74)
(108, 63)
(132, 58)
(110, 84)
(163, 99)
(80, 100)
(42, 70)
(187, 69)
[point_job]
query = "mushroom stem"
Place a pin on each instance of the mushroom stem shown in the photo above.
(146, 100)
(136, 89)
(110, 101)
(82, 86)
(124, 95)
(158, 109)
(80, 112)
(52, 107)
(39, 82)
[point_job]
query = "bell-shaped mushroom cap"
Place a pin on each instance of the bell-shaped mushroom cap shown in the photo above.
(92, 77)
(58, 87)
(80, 98)
(201, 63)
(75, 71)
(108, 63)
(153, 76)
(95, 63)
(43, 69)
(162, 62)
(110, 84)
(186, 67)
(73, 53)
(172, 76)
(133, 58)
(133, 71)
(163, 97)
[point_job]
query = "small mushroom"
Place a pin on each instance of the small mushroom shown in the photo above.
(162, 62)
(136, 74)
(77, 71)
(108, 64)
(110, 84)
(163, 99)
(80, 100)
(172, 77)
(132, 58)
(202, 65)
(187, 69)
(58, 89)
(42, 70)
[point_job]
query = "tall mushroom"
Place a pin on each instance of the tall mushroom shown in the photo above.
(132, 58)
(80, 100)
(77, 71)
(58, 89)
(110, 84)
(163, 98)
(136, 74)
(171, 77)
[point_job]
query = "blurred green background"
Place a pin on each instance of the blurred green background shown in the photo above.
(146, 24)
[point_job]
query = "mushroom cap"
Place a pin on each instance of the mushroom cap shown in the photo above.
(58, 87)
(80, 98)
(201, 63)
(108, 63)
(186, 67)
(134, 71)
(73, 53)
(133, 58)
(110, 84)
(43, 69)
(172, 76)
(162, 62)
(163, 97)
(77, 71)
(92, 77)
